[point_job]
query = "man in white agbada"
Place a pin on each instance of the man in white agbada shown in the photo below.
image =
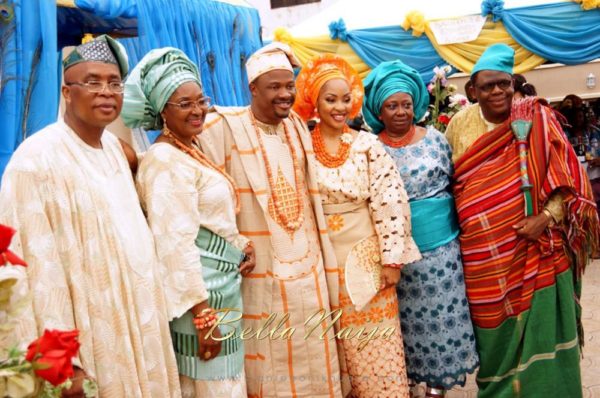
(69, 193)
(267, 150)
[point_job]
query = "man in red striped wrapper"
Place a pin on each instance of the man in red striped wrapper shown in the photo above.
(522, 272)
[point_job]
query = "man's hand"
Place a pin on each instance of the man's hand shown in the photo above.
(595, 162)
(531, 227)
(76, 390)
(249, 262)
(390, 276)
(208, 347)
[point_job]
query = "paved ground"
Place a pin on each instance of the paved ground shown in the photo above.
(590, 363)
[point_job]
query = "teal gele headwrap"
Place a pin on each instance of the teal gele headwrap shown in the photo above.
(389, 78)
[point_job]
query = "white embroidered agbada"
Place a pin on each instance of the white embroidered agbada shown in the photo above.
(92, 262)
(180, 195)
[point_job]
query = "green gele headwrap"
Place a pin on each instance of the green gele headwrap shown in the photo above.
(152, 82)
(103, 49)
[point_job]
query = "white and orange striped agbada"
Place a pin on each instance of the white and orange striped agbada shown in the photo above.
(290, 273)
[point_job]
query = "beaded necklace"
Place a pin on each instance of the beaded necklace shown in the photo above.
(398, 143)
(326, 159)
(280, 211)
(203, 160)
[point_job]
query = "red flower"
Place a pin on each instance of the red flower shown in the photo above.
(52, 353)
(6, 234)
(444, 119)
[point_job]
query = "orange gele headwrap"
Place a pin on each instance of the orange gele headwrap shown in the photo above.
(315, 74)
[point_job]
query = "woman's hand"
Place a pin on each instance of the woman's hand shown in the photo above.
(390, 276)
(76, 390)
(208, 347)
(249, 262)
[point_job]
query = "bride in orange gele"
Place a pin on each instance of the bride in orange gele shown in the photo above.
(369, 226)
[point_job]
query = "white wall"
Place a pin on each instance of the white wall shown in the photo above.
(285, 16)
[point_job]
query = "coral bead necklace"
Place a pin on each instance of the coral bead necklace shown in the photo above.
(282, 206)
(398, 142)
(324, 157)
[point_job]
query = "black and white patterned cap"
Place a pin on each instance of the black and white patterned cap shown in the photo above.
(97, 51)
(102, 49)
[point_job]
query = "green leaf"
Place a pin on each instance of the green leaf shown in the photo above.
(90, 388)
(14, 352)
(50, 391)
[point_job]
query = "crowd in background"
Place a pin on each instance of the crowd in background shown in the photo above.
(582, 126)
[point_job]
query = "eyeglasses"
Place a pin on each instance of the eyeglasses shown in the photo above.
(502, 84)
(94, 86)
(201, 103)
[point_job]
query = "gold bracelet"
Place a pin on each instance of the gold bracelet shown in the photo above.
(550, 217)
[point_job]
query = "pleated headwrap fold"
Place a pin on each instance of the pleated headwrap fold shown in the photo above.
(389, 78)
(313, 77)
(152, 82)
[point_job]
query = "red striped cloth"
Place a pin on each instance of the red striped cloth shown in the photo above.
(503, 271)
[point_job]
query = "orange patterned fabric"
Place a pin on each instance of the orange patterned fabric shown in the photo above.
(314, 76)
(287, 201)
(376, 369)
(335, 222)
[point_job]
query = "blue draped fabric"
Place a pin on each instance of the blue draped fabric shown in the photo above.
(559, 32)
(218, 37)
(109, 9)
(389, 43)
(73, 22)
(493, 7)
(30, 68)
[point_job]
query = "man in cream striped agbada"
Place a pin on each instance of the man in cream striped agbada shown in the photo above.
(266, 148)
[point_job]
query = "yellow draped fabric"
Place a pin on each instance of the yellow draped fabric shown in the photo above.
(66, 3)
(306, 49)
(464, 55)
(461, 55)
(588, 4)
(416, 21)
